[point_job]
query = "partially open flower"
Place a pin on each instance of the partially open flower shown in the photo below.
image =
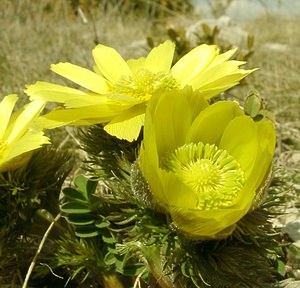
(18, 136)
(204, 163)
(120, 89)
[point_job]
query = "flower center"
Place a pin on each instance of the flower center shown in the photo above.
(211, 173)
(143, 84)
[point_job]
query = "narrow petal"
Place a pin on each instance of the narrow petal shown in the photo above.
(25, 118)
(31, 140)
(240, 139)
(82, 76)
(127, 125)
(160, 58)
(223, 57)
(6, 108)
(110, 63)
(194, 63)
(220, 75)
(209, 126)
(80, 116)
(72, 98)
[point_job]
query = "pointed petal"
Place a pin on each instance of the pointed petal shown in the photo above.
(194, 63)
(223, 57)
(224, 74)
(160, 58)
(72, 98)
(110, 63)
(25, 118)
(82, 76)
(6, 108)
(95, 114)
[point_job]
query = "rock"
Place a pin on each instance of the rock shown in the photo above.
(229, 33)
(293, 229)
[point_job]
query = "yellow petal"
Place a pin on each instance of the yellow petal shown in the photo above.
(181, 196)
(223, 57)
(15, 163)
(211, 92)
(136, 64)
(110, 63)
(220, 75)
(6, 107)
(80, 116)
(127, 125)
(194, 63)
(204, 224)
(240, 139)
(149, 163)
(267, 142)
(209, 126)
(31, 140)
(81, 76)
(160, 58)
(171, 119)
(72, 98)
(24, 119)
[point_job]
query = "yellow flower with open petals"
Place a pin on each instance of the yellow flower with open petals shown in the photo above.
(119, 89)
(18, 136)
(204, 163)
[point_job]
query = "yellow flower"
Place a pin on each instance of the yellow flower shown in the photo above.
(119, 89)
(204, 163)
(17, 133)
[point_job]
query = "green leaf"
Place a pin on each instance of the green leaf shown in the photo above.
(102, 224)
(252, 105)
(110, 239)
(110, 259)
(281, 267)
(183, 270)
(81, 219)
(85, 185)
(73, 194)
(86, 232)
(134, 270)
(75, 208)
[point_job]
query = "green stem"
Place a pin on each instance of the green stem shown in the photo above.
(32, 264)
(155, 262)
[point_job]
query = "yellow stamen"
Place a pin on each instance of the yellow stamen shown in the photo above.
(211, 173)
(143, 84)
